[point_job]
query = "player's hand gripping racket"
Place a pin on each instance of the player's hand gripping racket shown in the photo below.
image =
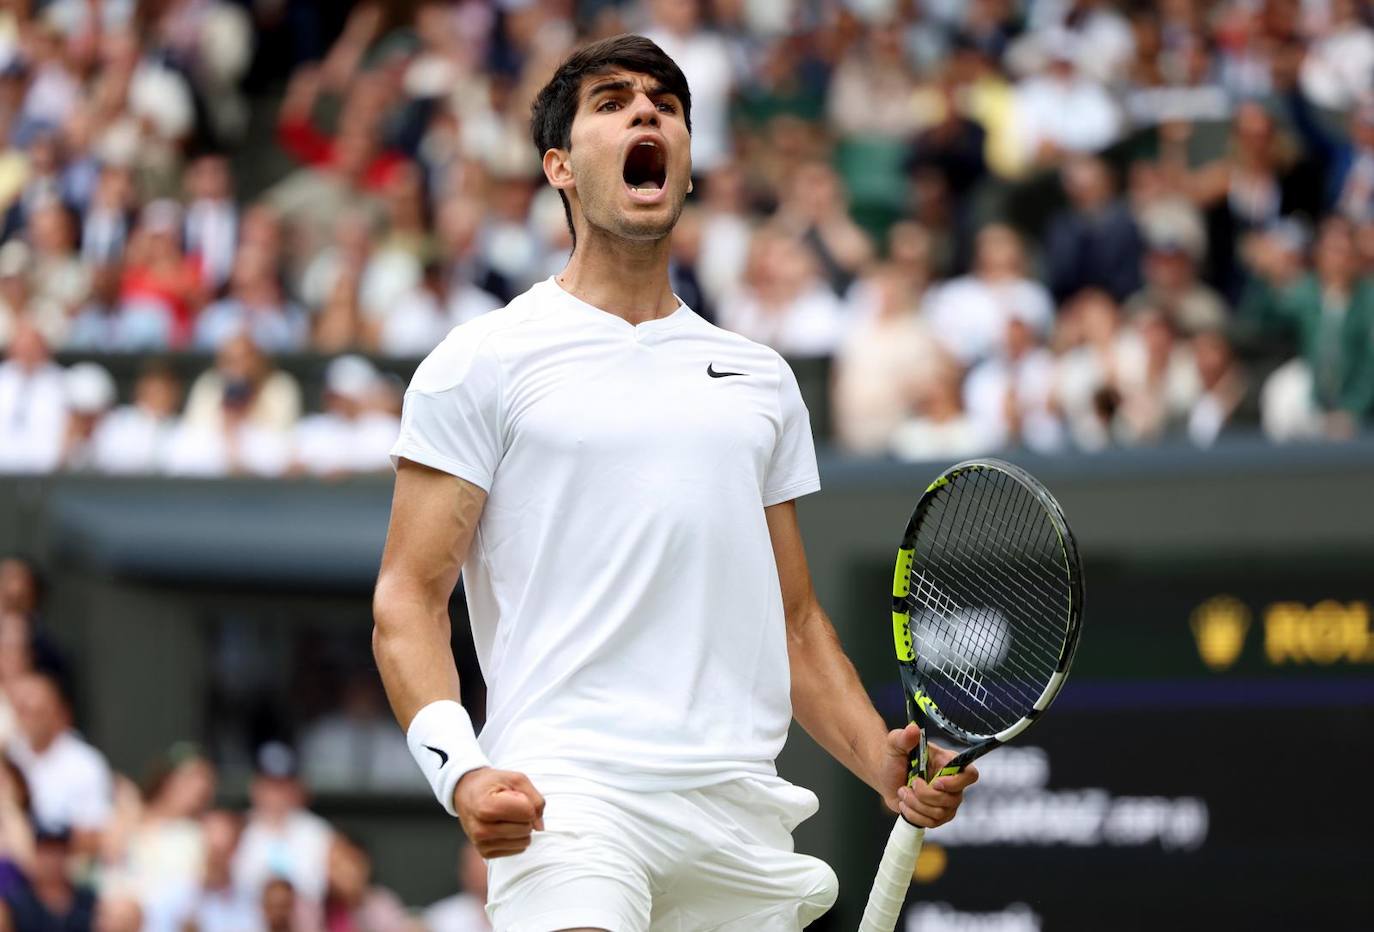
(987, 604)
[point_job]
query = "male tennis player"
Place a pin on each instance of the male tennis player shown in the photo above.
(615, 479)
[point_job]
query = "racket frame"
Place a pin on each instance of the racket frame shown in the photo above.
(920, 708)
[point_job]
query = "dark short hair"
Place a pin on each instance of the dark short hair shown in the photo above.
(551, 117)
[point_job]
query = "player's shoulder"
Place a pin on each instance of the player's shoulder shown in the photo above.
(475, 343)
(738, 350)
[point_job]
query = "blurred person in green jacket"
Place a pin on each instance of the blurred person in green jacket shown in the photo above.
(1328, 315)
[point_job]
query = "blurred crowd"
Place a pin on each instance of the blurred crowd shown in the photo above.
(83, 847)
(1043, 224)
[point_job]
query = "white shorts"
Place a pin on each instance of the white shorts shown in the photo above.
(719, 857)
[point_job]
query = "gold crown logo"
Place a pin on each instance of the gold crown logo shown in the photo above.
(1219, 626)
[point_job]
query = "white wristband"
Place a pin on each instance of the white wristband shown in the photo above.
(442, 742)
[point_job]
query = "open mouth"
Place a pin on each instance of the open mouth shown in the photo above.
(646, 167)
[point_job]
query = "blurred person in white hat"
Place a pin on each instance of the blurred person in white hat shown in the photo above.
(134, 438)
(354, 432)
(282, 837)
(90, 395)
(33, 404)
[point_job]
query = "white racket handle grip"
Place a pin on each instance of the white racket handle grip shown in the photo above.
(894, 877)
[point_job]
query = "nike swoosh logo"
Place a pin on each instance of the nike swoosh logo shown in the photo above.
(443, 757)
(711, 371)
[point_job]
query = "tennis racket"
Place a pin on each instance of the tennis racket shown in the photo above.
(987, 605)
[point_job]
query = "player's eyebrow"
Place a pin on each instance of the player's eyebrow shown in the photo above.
(616, 85)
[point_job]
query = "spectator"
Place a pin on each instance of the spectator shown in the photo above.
(238, 417)
(886, 354)
(257, 305)
(725, 233)
(1095, 348)
(1228, 402)
(90, 396)
(871, 92)
(1329, 315)
(1158, 383)
(218, 906)
(969, 314)
(938, 427)
(68, 778)
(135, 438)
(108, 219)
(1060, 111)
(282, 838)
(783, 301)
(1336, 72)
(212, 221)
(160, 283)
(1174, 247)
(354, 434)
(1010, 394)
(1095, 242)
(59, 280)
(50, 900)
(165, 857)
(244, 381)
(465, 911)
(704, 59)
(33, 405)
(353, 904)
(115, 913)
(815, 211)
(21, 588)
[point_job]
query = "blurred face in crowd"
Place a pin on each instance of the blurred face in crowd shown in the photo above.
(18, 587)
(118, 914)
(27, 347)
(629, 164)
(274, 798)
(1098, 318)
(677, 16)
(1334, 257)
(1254, 129)
(240, 360)
(1212, 355)
(221, 831)
(208, 179)
(50, 230)
(1087, 183)
(278, 905)
(1169, 268)
(189, 789)
(158, 393)
(999, 253)
(40, 710)
(115, 188)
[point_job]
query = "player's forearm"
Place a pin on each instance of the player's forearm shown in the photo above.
(828, 699)
(410, 641)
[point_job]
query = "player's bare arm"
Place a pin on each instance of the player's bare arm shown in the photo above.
(433, 518)
(829, 701)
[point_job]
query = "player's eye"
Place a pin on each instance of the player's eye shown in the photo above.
(608, 105)
(667, 107)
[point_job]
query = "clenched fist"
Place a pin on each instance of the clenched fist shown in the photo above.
(498, 809)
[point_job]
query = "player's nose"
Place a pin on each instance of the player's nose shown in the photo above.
(643, 111)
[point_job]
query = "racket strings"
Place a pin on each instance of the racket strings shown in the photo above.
(988, 602)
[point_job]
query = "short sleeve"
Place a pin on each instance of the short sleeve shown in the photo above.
(452, 416)
(792, 469)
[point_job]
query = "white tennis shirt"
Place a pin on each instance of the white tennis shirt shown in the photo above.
(624, 597)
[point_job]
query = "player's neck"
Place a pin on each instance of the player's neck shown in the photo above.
(629, 280)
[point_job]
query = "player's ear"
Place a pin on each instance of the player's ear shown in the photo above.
(689, 185)
(558, 168)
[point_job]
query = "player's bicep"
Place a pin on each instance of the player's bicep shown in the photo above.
(794, 576)
(434, 516)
